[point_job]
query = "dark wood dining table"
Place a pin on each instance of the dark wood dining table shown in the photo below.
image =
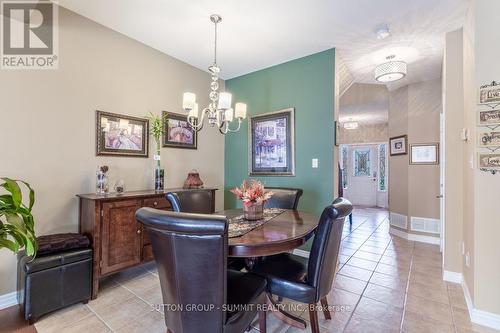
(283, 233)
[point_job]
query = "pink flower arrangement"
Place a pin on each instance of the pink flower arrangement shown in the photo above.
(251, 193)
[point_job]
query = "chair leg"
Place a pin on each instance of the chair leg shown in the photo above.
(313, 316)
(324, 305)
(262, 321)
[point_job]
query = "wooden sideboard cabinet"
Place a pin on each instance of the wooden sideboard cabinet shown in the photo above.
(118, 241)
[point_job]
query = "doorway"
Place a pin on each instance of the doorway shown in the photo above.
(365, 174)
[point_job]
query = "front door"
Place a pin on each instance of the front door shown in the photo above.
(362, 175)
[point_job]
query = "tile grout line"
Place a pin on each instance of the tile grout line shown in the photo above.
(367, 282)
(407, 289)
(100, 318)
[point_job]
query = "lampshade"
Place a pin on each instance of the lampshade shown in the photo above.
(229, 114)
(390, 71)
(240, 110)
(188, 100)
(225, 100)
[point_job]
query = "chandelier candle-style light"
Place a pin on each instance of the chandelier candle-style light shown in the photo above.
(219, 112)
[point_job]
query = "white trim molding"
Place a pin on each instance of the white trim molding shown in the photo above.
(480, 317)
(453, 277)
(8, 300)
(415, 237)
(477, 316)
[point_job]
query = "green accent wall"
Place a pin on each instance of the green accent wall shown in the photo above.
(307, 84)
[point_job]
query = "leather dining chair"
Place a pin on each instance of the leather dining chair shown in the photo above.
(309, 280)
(283, 197)
(192, 201)
(190, 251)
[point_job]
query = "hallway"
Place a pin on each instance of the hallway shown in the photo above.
(394, 285)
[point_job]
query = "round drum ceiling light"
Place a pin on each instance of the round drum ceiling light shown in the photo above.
(390, 71)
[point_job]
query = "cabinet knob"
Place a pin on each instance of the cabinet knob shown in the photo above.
(155, 203)
(138, 231)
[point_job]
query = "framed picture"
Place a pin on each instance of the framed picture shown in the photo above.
(120, 135)
(424, 154)
(489, 94)
(489, 160)
(398, 145)
(178, 132)
(488, 118)
(272, 143)
(489, 139)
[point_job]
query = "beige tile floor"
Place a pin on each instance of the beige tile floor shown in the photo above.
(385, 284)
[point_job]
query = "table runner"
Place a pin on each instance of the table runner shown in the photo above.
(238, 226)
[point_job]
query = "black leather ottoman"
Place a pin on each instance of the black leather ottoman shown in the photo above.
(53, 281)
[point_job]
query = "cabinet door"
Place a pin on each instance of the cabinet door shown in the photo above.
(121, 236)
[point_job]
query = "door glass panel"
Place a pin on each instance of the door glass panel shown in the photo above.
(362, 160)
(382, 160)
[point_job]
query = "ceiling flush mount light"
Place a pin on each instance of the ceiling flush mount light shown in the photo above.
(350, 125)
(383, 32)
(219, 112)
(390, 71)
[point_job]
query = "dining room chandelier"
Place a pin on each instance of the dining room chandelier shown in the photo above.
(219, 111)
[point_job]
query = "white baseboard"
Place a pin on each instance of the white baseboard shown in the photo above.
(414, 237)
(453, 277)
(301, 253)
(477, 316)
(8, 300)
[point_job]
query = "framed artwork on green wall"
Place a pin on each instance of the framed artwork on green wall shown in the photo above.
(272, 143)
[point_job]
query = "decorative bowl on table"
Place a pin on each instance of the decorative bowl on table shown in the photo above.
(253, 195)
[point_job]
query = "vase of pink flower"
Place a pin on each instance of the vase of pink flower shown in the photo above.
(253, 195)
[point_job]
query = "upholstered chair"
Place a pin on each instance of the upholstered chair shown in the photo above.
(192, 201)
(191, 252)
(309, 280)
(285, 198)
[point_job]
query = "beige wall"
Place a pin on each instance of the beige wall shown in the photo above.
(486, 186)
(48, 123)
(469, 149)
(479, 202)
(414, 110)
(453, 85)
(365, 133)
(398, 165)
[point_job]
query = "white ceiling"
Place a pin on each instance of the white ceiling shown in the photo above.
(260, 33)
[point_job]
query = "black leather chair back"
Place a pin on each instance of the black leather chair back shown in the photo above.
(326, 245)
(190, 252)
(285, 198)
(192, 201)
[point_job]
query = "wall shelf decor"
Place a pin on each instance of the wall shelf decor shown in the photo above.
(488, 116)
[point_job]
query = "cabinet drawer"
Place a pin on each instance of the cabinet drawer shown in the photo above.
(147, 253)
(158, 203)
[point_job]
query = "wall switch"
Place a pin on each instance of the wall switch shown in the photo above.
(465, 134)
(467, 259)
(315, 163)
(463, 248)
(471, 161)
